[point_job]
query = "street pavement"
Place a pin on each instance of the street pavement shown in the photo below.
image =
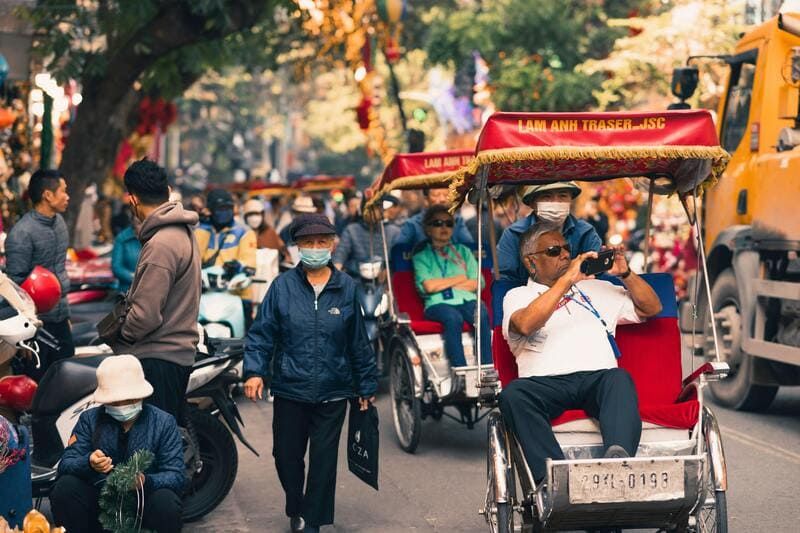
(442, 486)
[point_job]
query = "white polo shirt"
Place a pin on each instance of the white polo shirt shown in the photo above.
(573, 339)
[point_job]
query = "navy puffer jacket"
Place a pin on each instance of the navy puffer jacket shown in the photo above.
(320, 346)
(154, 430)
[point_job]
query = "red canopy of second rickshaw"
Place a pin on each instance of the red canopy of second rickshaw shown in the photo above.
(324, 182)
(420, 170)
(525, 148)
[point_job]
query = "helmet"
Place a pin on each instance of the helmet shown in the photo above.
(253, 206)
(527, 193)
(44, 288)
(17, 392)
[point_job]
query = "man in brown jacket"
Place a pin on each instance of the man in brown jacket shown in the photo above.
(161, 325)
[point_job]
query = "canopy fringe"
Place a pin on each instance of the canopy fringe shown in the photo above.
(718, 156)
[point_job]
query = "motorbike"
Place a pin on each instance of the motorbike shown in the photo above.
(374, 302)
(51, 409)
(221, 311)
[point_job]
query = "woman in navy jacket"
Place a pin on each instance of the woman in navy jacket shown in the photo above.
(309, 338)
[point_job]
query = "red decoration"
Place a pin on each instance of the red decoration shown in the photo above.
(362, 113)
(155, 114)
(123, 156)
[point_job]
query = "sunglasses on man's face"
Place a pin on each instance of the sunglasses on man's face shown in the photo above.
(441, 223)
(553, 251)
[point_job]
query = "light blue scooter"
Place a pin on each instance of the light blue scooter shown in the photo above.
(221, 311)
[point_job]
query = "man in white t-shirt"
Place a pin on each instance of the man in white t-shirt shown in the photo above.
(560, 328)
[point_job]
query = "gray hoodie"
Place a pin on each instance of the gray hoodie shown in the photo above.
(165, 292)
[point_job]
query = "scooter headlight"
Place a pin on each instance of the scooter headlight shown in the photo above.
(218, 331)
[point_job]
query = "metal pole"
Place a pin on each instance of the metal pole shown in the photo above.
(481, 191)
(648, 224)
(707, 284)
(388, 270)
(493, 239)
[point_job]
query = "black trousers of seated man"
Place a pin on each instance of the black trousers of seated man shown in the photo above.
(528, 405)
(74, 503)
(316, 426)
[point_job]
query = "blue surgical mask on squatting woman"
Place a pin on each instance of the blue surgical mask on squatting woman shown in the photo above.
(123, 413)
(315, 257)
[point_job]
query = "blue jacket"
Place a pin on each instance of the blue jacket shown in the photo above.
(580, 235)
(412, 232)
(154, 430)
(318, 348)
(124, 257)
(354, 245)
(40, 240)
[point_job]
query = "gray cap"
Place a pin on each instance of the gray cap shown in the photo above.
(529, 191)
(311, 224)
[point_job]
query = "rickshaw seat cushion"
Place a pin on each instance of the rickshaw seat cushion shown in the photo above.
(409, 301)
(651, 353)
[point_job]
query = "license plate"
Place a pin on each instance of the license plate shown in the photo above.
(626, 482)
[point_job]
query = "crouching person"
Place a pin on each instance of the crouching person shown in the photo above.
(109, 435)
(560, 328)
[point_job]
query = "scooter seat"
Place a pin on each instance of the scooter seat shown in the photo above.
(64, 383)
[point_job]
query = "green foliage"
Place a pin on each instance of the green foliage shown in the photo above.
(637, 73)
(118, 499)
(532, 47)
(80, 40)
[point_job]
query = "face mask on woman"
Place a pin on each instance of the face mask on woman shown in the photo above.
(555, 212)
(254, 220)
(124, 413)
(315, 257)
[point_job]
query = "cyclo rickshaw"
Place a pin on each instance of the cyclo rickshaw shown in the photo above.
(677, 479)
(419, 370)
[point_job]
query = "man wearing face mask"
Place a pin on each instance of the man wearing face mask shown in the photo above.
(222, 239)
(550, 203)
(160, 327)
(107, 436)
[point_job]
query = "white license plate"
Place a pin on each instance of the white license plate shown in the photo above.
(643, 481)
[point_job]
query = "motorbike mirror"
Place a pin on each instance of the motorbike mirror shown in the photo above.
(684, 82)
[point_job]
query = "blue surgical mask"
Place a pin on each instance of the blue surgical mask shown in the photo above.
(124, 413)
(315, 257)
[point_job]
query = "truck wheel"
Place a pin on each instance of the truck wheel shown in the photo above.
(737, 390)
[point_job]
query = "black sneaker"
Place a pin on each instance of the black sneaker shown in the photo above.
(615, 451)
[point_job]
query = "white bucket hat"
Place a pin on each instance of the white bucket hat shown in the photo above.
(303, 204)
(119, 378)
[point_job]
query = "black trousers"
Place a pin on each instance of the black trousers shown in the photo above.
(74, 503)
(528, 405)
(294, 424)
(61, 331)
(169, 382)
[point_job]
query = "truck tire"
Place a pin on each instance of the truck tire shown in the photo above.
(737, 390)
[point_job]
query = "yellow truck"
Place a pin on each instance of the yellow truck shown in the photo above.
(751, 219)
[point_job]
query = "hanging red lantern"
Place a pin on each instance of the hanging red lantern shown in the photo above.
(362, 113)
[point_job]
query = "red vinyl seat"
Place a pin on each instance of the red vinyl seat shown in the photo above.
(409, 302)
(651, 353)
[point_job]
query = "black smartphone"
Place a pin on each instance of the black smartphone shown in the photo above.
(602, 263)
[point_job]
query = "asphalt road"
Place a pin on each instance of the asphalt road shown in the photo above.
(441, 486)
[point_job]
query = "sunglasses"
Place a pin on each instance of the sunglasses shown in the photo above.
(553, 251)
(441, 223)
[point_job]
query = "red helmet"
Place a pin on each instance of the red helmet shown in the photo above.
(44, 288)
(17, 392)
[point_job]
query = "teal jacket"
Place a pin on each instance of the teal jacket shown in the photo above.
(124, 257)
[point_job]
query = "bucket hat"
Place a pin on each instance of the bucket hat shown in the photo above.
(119, 378)
(303, 204)
(529, 191)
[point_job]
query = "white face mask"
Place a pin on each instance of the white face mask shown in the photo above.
(254, 221)
(555, 212)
